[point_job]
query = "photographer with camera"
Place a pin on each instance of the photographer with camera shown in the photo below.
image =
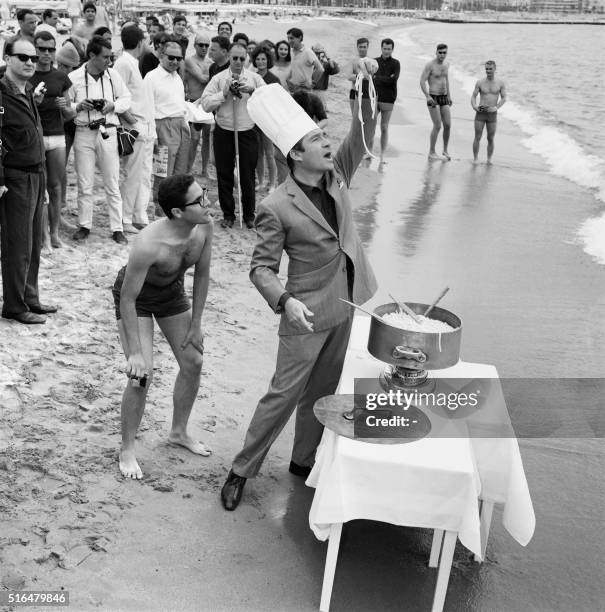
(227, 95)
(98, 95)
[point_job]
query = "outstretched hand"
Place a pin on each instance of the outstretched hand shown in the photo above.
(195, 338)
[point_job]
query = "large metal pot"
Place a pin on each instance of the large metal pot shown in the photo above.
(426, 351)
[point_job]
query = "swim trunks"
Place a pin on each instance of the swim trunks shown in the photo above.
(440, 99)
(153, 300)
(486, 117)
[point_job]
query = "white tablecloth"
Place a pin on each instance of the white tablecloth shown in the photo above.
(433, 482)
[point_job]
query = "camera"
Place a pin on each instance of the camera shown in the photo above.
(99, 124)
(234, 89)
(98, 104)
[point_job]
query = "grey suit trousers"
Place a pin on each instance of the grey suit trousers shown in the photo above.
(308, 367)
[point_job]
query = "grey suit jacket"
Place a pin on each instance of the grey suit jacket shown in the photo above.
(317, 274)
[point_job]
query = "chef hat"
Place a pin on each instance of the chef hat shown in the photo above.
(282, 120)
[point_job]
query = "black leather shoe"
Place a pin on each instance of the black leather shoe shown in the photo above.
(42, 309)
(227, 223)
(232, 490)
(81, 234)
(300, 470)
(119, 238)
(28, 318)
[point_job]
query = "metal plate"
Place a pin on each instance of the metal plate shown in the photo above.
(329, 411)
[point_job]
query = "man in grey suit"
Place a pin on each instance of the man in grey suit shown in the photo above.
(309, 217)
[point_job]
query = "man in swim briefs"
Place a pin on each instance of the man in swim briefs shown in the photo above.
(152, 285)
(438, 99)
(492, 96)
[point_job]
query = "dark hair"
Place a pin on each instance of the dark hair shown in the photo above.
(152, 18)
(161, 38)
(101, 31)
(96, 44)
(172, 192)
(441, 46)
(267, 53)
(23, 13)
(131, 36)
(8, 47)
(253, 42)
(360, 41)
(283, 42)
(179, 18)
(44, 35)
(387, 41)
(48, 13)
(241, 36)
(490, 63)
(222, 41)
(296, 32)
(306, 99)
(224, 23)
(89, 5)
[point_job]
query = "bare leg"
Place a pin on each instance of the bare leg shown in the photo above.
(447, 122)
(133, 400)
(476, 142)
(187, 381)
(193, 143)
(491, 134)
(436, 119)
(385, 117)
(55, 168)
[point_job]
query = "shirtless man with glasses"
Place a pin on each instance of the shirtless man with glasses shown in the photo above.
(150, 286)
(438, 99)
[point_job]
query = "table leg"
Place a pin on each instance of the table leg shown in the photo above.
(330, 568)
(487, 509)
(436, 548)
(445, 566)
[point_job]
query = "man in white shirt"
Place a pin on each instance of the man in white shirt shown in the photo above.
(49, 22)
(168, 95)
(304, 63)
(196, 79)
(98, 95)
(227, 95)
(135, 186)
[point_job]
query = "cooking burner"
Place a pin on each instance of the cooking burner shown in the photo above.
(397, 377)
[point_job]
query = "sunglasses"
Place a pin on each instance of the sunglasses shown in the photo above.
(237, 58)
(199, 200)
(174, 58)
(202, 45)
(49, 49)
(23, 57)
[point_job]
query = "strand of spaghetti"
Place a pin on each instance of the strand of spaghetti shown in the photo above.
(372, 94)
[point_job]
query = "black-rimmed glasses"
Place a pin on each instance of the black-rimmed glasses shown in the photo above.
(174, 58)
(23, 57)
(49, 49)
(202, 45)
(199, 200)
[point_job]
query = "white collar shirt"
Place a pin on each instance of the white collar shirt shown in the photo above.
(167, 91)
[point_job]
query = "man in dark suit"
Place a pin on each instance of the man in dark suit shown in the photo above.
(309, 217)
(22, 186)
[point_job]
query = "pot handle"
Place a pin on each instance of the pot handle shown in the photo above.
(407, 352)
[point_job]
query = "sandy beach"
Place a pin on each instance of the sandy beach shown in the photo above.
(519, 281)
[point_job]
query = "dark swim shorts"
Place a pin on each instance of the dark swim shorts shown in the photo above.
(153, 300)
(486, 117)
(440, 99)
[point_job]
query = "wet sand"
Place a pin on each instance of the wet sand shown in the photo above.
(165, 543)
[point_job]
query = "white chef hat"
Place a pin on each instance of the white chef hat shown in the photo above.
(282, 120)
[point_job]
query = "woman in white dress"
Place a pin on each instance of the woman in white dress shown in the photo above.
(281, 67)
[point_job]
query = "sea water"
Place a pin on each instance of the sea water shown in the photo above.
(554, 94)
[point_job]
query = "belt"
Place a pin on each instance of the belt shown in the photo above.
(15, 172)
(107, 125)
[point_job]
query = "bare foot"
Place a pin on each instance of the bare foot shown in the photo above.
(435, 156)
(475, 162)
(199, 448)
(56, 242)
(65, 224)
(489, 161)
(446, 155)
(129, 466)
(47, 250)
